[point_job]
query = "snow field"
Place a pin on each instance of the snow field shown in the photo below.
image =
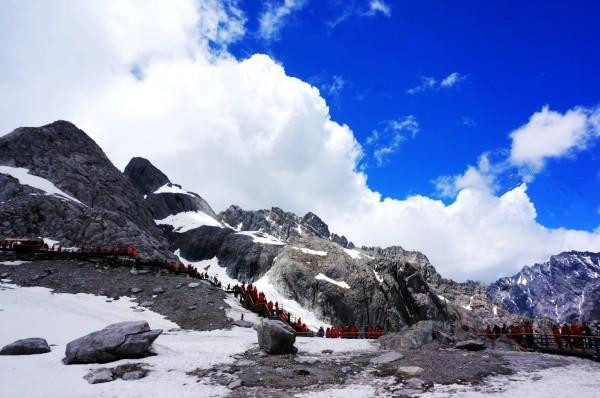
(22, 174)
(188, 220)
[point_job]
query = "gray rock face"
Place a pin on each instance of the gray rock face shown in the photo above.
(566, 288)
(110, 210)
(30, 346)
(148, 179)
(283, 225)
(116, 341)
(413, 337)
(275, 337)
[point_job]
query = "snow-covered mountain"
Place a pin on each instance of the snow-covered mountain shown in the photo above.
(566, 288)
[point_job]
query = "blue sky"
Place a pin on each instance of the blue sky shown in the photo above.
(513, 58)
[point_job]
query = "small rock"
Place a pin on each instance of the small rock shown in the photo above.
(242, 323)
(29, 346)
(327, 351)
(193, 285)
(244, 362)
(144, 271)
(470, 345)
(136, 290)
(179, 286)
(147, 304)
(192, 307)
(234, 384)
(139, 310)
(409, 370)
(101, 375)
(387, 358)
(158, 290)
(5, 275)
(101, 293)
(346, 369)
(135, 375)
(415, 382)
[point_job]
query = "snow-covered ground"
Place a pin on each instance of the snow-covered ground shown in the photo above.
(187, 220)
(60, 318)
(580, 379)
(22, 174)
(14, 262)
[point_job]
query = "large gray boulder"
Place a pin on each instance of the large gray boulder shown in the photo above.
(416, 336)
(275, 337)
(114, 342)
(470, 345)
(29, 346)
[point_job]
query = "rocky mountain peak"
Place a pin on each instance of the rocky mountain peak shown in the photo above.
(144, 175)
(311, 220)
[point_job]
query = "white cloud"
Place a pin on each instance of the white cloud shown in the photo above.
(335, 87)
(241, 131)
(550, 134)
(452, 79)
(396, 132)
(481, 177)
(429, 83)
(275, 15)
(379, 7)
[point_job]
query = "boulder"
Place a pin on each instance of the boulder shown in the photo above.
(29, 346)
(136, 290)
(114, 342)
(100, 375)
(158, 290)
(388, 357)
(135, 375)
(275, 337)
(409, 371)
(470, 345)
(413, 337)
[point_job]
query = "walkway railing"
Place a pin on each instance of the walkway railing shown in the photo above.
(575, 345)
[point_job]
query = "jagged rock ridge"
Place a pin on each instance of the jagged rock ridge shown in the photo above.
(566, 288)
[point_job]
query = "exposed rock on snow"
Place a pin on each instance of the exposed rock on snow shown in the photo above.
(409, 370)
(100, 375)
(34, 345)
(116, 341)
(413, 337)
(275, 337)
(470, 345)
(388, 357)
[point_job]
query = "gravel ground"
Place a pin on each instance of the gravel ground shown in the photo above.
(199, 308)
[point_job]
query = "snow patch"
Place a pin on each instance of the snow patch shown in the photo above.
(495, 310)
(14, 262)
(522, 280)
(212, 267)
(310, 251)
(468, 306)
(172, 188)
(188, 220)
(264, 285)
(355, 254)
(323, 277)
(262, 237)
(444, 299)
(22, 174)
(378, 277)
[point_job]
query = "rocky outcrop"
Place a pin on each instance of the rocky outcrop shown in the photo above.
(30, 346)
(162, 197)
(283, 225)
(275, 337)
(96, 203)
(416, 336)
(566, 288)
(114, 342)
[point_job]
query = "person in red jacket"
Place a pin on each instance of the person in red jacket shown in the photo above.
(488, 332)
(369, 332)
(566, 334)
(528, 331)
(556, 334)
(378, 332)
(270, 307)
(328, 333)
(354, 331)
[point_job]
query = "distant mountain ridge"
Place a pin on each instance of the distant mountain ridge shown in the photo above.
(566, 288)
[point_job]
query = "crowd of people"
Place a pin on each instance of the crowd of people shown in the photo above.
(574, 336)
(268, 308)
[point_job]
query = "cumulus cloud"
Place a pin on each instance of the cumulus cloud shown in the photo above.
(242, 131)
(481, 177)
(549, 134)
(429, 83)
(275, 15)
